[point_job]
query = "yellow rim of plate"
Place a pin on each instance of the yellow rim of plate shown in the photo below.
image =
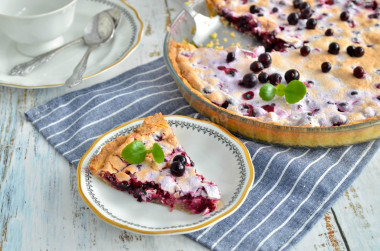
(189, 229)
(100, 71)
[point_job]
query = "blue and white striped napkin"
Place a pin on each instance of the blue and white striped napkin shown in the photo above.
(294, 187)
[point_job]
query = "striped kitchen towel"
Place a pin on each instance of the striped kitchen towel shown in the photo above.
(294, 187)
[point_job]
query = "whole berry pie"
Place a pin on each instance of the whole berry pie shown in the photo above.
(174, 182)
(331, 46)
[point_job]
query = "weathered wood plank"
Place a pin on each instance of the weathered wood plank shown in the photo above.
(325, 235)
(358, 210)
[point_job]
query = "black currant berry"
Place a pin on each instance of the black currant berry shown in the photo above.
(292, 75)
(275, 79)
(256, 67)
(293, 18)
(249, 80)
(265, 59)
(305, 50)
(326, 67)
(177, 169)
(311, 24)
(334, 48)
(359, 72)
(344, 16)
(263, 77)
(230, 57)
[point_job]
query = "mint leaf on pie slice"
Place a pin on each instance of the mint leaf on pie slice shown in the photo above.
(158, 153)
(134, 153)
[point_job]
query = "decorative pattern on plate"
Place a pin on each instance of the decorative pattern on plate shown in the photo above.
(182, 124)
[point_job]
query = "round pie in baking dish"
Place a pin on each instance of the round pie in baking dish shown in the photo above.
(331, 47)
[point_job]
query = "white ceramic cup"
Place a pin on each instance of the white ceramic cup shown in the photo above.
(36, 25)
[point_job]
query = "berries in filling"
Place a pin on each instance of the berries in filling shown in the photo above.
(329, 32)
(177, 168)
(247, 24)
(263, 77)
(275, 79)
(256, 67)
(151, 191)
(359, 72)
(248, 95)
(230, 57)
(292, 75)
(334, 48)
(249, 80)
(305, 50)
(326, 67)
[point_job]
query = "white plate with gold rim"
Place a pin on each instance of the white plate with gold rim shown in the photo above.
(217, 155)
(59, 68)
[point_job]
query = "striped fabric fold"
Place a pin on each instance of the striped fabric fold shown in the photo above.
(293, 187)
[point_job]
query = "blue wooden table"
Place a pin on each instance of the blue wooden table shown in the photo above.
(41, 209)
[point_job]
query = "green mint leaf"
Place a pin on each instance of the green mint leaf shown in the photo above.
(280, 90)
(134, 152)
(158, 153)
(267, 92)
(295, 91)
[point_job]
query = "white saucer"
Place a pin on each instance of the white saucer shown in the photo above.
(59, 68)
(228, 164)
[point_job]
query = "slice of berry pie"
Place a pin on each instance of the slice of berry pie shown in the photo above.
(174, 182)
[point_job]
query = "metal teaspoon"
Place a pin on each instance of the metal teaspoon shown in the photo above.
(96, 33)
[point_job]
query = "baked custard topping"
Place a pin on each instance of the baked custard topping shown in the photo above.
(332, 46)
(173, 182)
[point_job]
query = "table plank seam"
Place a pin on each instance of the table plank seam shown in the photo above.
(341, 232)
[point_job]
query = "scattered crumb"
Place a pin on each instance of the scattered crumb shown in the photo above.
(148, 30)
(225, 40)
(193, 30)
(210, 44)
(232, 34)
(188, 2)
(237, 45)
(186, 41)
(155, 54)
(214, 35)
(168, 21)
(219, 47)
